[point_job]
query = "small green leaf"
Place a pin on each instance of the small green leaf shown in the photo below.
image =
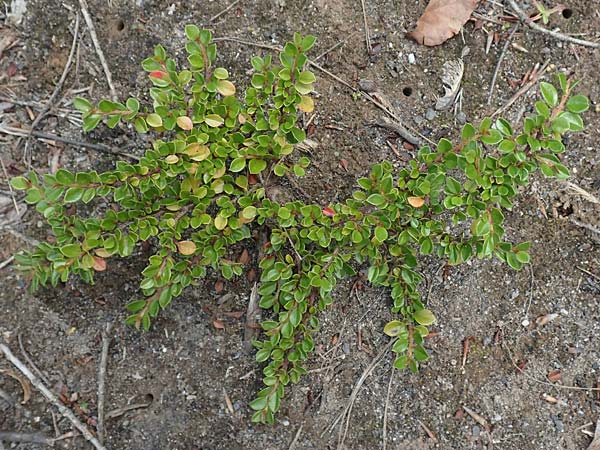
(73, 195)
(549, 93)
(20, 183)
(213, 120)
(376, 200)
(424, 317)
(381, 234)
(394, 328)
(578, 104)
(154, 120)
(237, 165)
(256, 166)
(71, 250)
(82, 104)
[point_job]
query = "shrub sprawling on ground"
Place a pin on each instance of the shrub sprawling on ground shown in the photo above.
(200, 190)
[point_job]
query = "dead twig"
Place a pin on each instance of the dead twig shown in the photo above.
(523, 90)
(428, 431)
(252, 317)
(385, 408)
(12, 402)
(499, 63)
(328, 73)
(296, 437)
(29, 438)
(67, 413)
(216, 16)
(587, 226)
(333, 47)
(367, 36)
(12, 193)
(398, 128)
(347, 411)
(92, 30)
(29, 361)
(60, 83)
(102, 380)
(7, 261)
(120, 411)
(545, 383)
(53, 137)
(556, 35)
(596, 277)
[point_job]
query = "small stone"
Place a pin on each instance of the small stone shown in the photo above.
(367, 85)
(430, 114)
(285, 422)
(411, 58)
(558, 424)
(476, 431)
(525, 323)
(461, 118)
(418, 119)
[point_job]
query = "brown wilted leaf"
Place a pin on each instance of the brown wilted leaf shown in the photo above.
(554, 376)
(244, 257)
(219, 286)
(218, 324)
(186, 247)
(441, 20)
(99, 264)
(416, 202)
(545, 319)
(25, 385)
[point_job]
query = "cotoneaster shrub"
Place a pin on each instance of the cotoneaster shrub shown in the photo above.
(200, 190)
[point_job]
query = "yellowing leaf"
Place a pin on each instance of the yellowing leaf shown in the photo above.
(307, 104)
(186, 247)
(185, 123)
(213, 120)
(441, 20)
(225, 88)
(416, 202)
(197, 152)
(102, 253)
(220, 222)
(172, 159)
(394, 328)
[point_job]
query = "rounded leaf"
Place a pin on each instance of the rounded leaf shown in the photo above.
(225, 88)
(185, 123)
(307, 104)
(154, 120)
(394, 328)
(186, 247)
(416, 202)
(578, 104)
(213, 120)
(549, 93)
(424, 317)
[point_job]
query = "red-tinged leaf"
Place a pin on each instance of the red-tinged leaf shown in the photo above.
(218, 324)
(252, 179)
(267, 244)
(159, 74)
(251, 275)
(441, 20)
(554, 376)
(99, 264)
(344, 164)
(219, 286)
(329, 212)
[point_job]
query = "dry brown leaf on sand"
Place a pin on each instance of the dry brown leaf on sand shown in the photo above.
(441, 20)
